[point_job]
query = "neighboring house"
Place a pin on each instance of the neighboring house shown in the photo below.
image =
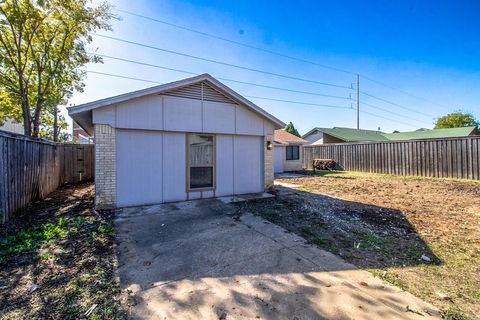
(189, 139)
(434, 134)
(341, 135)
(80, 136)
(288, 152)
(12, 126)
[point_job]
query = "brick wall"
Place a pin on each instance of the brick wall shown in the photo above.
(268, 163)
(105, 171)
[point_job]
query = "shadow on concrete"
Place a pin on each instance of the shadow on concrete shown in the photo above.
(208, 259)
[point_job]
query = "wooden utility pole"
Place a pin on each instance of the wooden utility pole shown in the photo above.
(358, 101)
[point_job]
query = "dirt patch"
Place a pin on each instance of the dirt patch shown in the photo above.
(422, 235)
(57, 260)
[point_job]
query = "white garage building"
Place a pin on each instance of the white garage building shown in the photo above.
(190, 139)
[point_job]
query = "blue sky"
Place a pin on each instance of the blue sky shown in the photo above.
(429, 49)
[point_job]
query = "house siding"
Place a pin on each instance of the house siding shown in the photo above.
(146, 134)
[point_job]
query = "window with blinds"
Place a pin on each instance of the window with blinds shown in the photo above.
(201, 164)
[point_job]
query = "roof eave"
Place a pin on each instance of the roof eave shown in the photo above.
(278, 124)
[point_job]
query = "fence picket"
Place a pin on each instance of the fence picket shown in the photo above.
(448, 158)
(30, 169)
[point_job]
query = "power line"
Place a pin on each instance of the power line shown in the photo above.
(234, 42)
(223, 63)
(394, 104)
(386, 118)
(253, 97)
(221, 78)
(259, 71)
(123, 77)
(394, 113)
(404, 92)
(299, 102)
(213, 36)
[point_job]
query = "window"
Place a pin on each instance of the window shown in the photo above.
(200, 161)
(293, 152)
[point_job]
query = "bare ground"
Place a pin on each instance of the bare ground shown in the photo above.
(386, 224)
(57, 260)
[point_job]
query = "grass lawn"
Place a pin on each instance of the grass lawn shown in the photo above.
(57, 260)
(385, 224)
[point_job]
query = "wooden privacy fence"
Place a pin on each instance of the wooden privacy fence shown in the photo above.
(30, 169)
(446, 158)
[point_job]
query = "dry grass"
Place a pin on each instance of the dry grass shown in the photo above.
(385, 223)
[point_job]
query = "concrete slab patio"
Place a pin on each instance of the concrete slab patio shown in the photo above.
(202, 260)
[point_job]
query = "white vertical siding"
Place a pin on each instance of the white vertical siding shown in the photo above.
(105, 115)
(278, 158)
(169, 113)
(249, 164)
(224, 163)
(151, 167)
(218, 117)
(248, 122)
(139, 167)
(174, 167)
(141, 113)
(182, 114)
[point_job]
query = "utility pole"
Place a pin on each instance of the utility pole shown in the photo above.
(358, 101)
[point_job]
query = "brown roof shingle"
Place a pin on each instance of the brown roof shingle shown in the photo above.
(284, 137)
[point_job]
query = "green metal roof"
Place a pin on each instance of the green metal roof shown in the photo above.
(350, 135)
(355, 135)
(432, 134)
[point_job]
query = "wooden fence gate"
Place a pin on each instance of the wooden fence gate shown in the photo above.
(32, 168)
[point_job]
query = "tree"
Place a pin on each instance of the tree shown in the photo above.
(42, 47)
(290, 128)
(456, 119)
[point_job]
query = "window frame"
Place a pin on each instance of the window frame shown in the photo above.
(286, 153)
(213, 165)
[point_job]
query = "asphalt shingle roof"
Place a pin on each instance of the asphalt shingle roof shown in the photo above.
(356, 135)
(285, 137)
(351, 135)
(431, 134)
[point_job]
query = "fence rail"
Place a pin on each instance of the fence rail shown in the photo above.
(30, 169)
(446, 158)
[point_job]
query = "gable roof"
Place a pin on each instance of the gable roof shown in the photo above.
(283, 137)
(350, 135)
(356, 135)
(81, 112)
(432, 134)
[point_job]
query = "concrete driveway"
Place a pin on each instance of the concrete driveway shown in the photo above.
(200, 260)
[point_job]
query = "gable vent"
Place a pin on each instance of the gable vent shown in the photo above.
(200, 91)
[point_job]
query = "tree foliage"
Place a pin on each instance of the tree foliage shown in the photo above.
(290, 128)
(456, 119)
(42, 47)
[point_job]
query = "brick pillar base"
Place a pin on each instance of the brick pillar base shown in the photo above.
(268, 156)
(105, 170)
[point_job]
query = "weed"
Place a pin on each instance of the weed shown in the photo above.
(106, 229)
(388, 277)
(369, 240)
(454, 313)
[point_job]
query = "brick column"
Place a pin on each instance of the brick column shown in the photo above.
(268, 156)
(105, 171)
